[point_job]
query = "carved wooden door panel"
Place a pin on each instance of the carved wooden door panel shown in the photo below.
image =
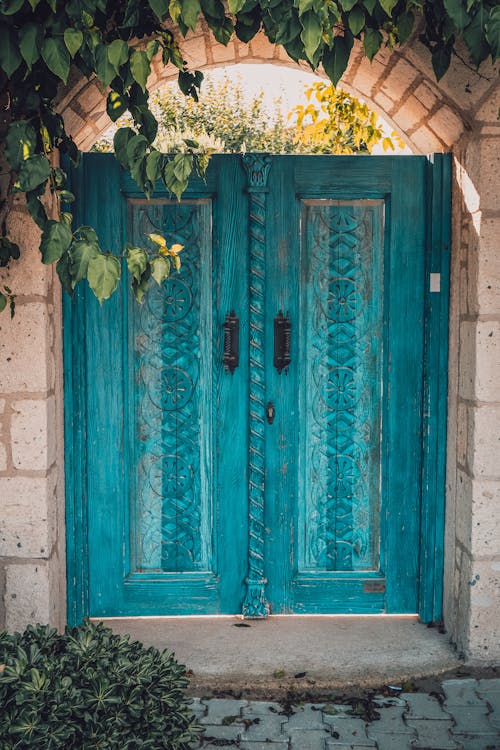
(346, 260)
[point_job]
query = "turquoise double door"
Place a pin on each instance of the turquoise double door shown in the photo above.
(264, 434)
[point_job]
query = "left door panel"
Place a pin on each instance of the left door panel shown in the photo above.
(160, 494)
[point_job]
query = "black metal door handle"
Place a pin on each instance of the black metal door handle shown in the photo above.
(282, 338)
(231, 356)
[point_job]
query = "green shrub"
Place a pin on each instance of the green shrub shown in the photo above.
(89, 689)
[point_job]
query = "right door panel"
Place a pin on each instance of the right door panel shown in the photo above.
(344, 453)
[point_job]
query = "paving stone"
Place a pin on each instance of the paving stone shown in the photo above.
(391, 720)
(393, 700)
(433, 733)
(485, 742)
(198, 708)
(488, 686)
(268, 728)
(349, 730)
(305, 717)
(461, 693)
(244, 745)
(471, 720)
(262, 708)
(337, 745)
(314, 739)
(336, 709)
(220, 708)
(393, 741)
(220, 732)
(424, 706)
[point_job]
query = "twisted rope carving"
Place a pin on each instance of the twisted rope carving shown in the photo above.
(255, 604)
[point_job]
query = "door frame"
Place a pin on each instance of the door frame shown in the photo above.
(434, 420)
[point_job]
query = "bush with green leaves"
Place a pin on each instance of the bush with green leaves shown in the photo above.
(90, 689)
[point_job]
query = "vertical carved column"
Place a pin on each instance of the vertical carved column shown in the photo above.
(257, 169)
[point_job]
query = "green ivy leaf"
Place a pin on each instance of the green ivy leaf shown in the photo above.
(120, 143)
(139, 287)
(140, 67)
(20, 143)
(73, 39)
(441, 57)
(475, 37)
(236, 5)
(3, 302)
(190, 12)
(103, 275)
(56, 56)
(56, 239)
(9, 7)
(160, 269)
(33, 172)
(172, 184)
(493, 31)
(311, 34)
(159, 8)
(457, 12)
(388, 6)
(356, 20)
(10, 58)
(81, 253)
(118, 52)
(136, 149)
(182, 166)
(37, 210)
(335, 60)
(137, 262)
(406, 22)
(372, 40)
(116, 105)
(104, 69)
(64, 273)
(347, 5)
(30, 42)
(154, 163)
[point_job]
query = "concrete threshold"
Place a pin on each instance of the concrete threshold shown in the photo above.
(285, 653)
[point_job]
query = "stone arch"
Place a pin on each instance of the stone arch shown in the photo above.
(431, 116)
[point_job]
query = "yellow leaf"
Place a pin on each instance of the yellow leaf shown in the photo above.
(158, 240)
(175, 249)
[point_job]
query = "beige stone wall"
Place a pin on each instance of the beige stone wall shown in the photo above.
(32, 565)
(472, 580)
(459, 114)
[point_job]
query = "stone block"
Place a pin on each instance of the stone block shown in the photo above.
(28, 275)
(467, 362)
(262, 48)
(27, 525)
(462, 432)
(73, 122)
(26, 362)
(487, 262)
(194, 51)
(484, 441)
(399, 79)
(487, 382)
(425, 141)
(32, 434)
(470, 720)
(447, 125)
(489, 170)
(3, 457)
(484, 623)
(222, 54)
(26, 596)
(463, 509)
(425, 93)
(410, 114)
(461, 692)
(488, 111)
(485, 519)
(91, 97)
(367, 75)
(310, 739)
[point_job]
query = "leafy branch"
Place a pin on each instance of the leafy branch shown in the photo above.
(116, 42)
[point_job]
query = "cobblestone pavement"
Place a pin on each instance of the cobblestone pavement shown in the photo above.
(463, 715)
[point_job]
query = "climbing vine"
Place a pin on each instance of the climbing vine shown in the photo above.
(41, 41)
